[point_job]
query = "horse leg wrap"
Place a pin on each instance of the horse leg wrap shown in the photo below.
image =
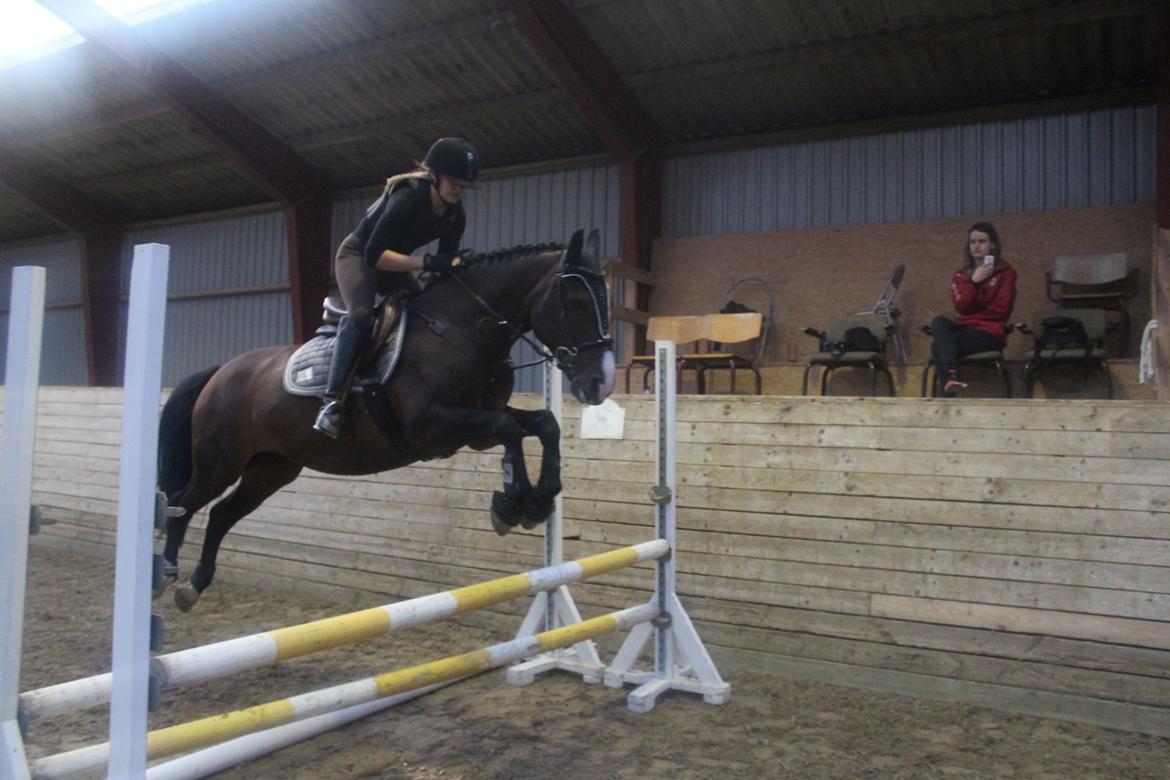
(170, 570)
(201, 577)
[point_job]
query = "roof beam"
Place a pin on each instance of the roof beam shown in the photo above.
(398, 43)
(608, 104)
(267, 160)
(507, 105)
(100, 229)
(69, 207)
(625, 126)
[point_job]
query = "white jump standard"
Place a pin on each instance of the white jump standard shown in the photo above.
(22, 371)
(681, 661)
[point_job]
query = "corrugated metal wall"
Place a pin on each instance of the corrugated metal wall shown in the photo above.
(63, 350)
(1044, 163)
(1058, 162)
(237, 255)
(526, 210)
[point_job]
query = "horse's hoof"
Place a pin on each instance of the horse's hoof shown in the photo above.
(505, 513)
(502, 528)
(537, 509)
(186, 597)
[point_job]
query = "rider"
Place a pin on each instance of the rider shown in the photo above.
(415, 208)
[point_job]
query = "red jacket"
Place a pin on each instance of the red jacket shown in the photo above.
(987, 305)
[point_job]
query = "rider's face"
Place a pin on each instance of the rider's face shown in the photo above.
(449, 190)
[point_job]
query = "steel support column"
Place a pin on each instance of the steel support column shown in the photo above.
(101, 265)
(310, 253)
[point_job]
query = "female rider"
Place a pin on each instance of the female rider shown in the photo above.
(414, 209)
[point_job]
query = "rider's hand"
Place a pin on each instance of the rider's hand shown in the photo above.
(441, 262)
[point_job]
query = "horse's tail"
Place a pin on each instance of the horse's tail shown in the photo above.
(174, 433)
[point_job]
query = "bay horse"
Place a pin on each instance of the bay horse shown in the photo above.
(237, 422)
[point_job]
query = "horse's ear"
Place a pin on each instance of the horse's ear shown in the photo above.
(573, 253)
(593, 249)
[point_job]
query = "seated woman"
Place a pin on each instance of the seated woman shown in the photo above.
(983, 293)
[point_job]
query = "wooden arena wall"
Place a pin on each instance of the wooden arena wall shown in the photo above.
(1014, 554)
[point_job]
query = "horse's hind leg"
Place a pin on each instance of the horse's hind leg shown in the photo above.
(204, 486)
(265, 474)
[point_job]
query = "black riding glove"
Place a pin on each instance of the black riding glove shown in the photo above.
(440, 262)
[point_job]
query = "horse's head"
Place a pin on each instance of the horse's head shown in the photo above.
(573, 320)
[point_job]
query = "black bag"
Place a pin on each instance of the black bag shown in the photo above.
(857, 340)
(735, 307)
(1061, 333)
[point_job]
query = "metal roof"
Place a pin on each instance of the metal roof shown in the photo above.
(361, 88)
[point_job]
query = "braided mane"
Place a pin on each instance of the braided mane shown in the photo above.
(497, 256)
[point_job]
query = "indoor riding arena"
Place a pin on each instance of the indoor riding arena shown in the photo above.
(848, 316)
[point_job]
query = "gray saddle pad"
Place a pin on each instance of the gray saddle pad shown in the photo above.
(308, 369)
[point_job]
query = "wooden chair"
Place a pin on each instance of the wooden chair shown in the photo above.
(708, 335)
(1094, 282)
(834, 356)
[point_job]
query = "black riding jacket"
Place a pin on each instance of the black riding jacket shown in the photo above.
(404, 220)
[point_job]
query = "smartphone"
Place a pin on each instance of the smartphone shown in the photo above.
(989, 260)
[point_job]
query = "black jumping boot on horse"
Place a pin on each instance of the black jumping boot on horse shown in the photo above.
(351, 339)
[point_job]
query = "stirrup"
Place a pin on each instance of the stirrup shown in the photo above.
(330, 419)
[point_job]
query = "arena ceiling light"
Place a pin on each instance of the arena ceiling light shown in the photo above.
(30, 31)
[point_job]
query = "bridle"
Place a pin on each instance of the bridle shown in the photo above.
(564, 357)
(594, 284)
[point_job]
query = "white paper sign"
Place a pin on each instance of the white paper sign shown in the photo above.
(607, 420)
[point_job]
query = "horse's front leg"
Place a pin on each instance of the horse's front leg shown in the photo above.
(448, 426)
(541, 423)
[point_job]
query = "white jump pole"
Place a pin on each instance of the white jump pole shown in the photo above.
(681, 661)
(249, 747)
(136, 511)
(186, 737)
(555, 608)
(219, 659)
(26, 316)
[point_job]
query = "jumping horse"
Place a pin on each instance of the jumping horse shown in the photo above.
(237, 422)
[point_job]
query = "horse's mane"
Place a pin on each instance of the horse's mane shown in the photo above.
(477, 259)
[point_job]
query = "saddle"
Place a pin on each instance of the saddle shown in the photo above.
(307, 371)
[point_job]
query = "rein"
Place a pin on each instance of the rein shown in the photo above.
(563, 357)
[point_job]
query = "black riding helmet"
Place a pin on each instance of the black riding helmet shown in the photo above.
(455, 159)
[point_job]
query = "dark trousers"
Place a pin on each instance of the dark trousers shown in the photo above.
(952, 341)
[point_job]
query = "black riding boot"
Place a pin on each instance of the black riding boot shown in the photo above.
(350, 341)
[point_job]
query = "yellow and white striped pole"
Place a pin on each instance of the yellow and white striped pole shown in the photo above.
(196, 734)
(270, 647)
